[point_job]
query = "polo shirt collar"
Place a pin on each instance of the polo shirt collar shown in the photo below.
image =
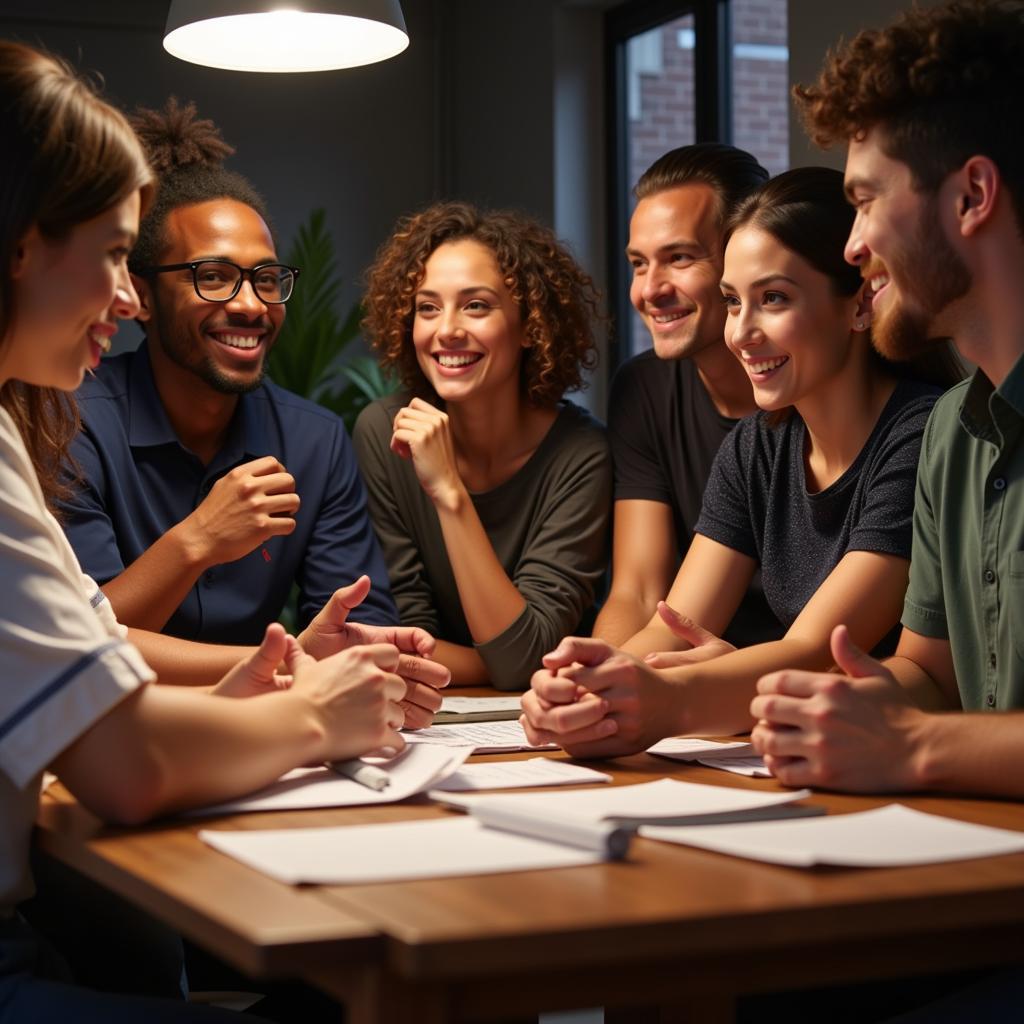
(148, 425)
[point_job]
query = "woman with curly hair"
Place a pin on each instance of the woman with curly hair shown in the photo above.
(489, 493)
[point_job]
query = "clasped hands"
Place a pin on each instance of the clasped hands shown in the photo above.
(857, 731)
(597, 701)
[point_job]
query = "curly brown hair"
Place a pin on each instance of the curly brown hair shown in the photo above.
(942, 84)
(557, 301)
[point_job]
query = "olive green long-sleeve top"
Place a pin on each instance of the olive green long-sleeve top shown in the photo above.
(548, 525)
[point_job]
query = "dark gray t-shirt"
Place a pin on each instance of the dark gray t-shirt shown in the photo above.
(757, 501)
(548, 525)
(664, 432)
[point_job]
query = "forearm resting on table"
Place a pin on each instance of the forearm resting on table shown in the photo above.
(979, 753)
(150, 590)
(922, 689)
(655, 636)
(717, 693)
(184, 662)
(624, 615)
(163, 749)
(464, 663)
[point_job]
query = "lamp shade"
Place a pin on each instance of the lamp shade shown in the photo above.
(285, 35)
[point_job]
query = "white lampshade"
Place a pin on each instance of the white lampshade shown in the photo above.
(285, 35)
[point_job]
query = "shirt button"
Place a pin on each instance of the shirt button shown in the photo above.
(990, 700)
(990, 576)
(999, 483)
(992, 659)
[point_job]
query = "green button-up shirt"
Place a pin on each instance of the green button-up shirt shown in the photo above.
(967, 563)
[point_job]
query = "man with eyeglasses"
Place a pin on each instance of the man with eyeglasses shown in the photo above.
(207, 492)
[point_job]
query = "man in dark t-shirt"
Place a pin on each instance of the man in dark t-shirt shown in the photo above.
(671, 408)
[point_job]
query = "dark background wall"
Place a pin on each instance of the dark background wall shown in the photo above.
(499, 101)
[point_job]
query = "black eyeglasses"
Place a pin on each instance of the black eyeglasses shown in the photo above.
(221, 280)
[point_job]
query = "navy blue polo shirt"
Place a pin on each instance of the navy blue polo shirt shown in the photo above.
(139, 481)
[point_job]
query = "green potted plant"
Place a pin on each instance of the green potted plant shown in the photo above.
(309, 357)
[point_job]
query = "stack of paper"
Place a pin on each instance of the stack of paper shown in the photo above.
(478, 709)
(886, 837)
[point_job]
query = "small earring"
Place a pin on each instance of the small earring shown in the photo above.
(860, 325)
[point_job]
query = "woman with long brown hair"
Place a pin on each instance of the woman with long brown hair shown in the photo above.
(76, 696)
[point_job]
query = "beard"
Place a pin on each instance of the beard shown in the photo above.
(939, 278)
(179, 346)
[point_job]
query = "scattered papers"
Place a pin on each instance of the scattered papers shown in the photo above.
(665, 800)
(393, 852)
(693, 748)
(484, 737)
(889, 836)
(538, 771)
(416, 769)
(479, 709)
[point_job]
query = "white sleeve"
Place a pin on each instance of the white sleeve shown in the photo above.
(64, 663)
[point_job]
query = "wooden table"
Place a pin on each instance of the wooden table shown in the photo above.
(684, 929)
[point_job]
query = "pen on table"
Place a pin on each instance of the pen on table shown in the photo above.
(357, 770)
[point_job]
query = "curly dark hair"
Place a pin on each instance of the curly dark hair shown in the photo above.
(188, 154)
(942, 84)
(557, 301)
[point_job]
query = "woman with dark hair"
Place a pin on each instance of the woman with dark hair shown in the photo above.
(489, 493)
(817, 489)
(76, 696)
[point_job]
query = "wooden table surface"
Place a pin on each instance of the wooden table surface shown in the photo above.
(685, 929)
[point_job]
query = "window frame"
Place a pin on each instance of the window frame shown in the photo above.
(712, 122)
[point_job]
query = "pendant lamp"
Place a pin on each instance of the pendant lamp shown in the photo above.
(285, 35)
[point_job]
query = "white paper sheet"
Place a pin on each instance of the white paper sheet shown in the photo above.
(648, 801)
(889, 836)
(484, 737)
(538, 771)
(693, 748)
(753, 766)
(470, 705)
(392, 852)
(416, 769)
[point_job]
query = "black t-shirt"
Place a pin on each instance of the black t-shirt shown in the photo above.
(757, 501)
(664, 432)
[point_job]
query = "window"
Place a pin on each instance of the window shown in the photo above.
(675, 81)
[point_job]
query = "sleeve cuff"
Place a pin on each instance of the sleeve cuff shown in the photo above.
(54, 717)
(926, 621)
(509, 656)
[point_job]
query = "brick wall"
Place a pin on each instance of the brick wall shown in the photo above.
(760, 83)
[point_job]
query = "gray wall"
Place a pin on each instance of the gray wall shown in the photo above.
(361, 143)
(815, 27)
(498, 102)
